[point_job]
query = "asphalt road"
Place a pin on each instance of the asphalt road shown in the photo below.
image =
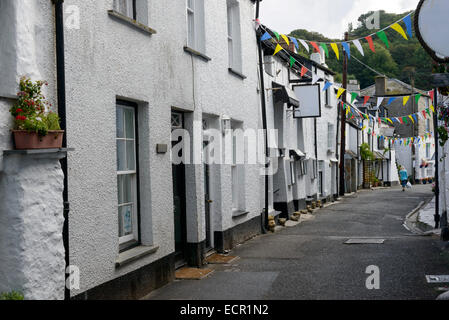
(311, 262)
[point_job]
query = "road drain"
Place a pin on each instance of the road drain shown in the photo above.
(365, 241)
(437, 279)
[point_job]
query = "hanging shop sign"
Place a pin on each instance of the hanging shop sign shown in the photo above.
(310, 99)
(432, 29)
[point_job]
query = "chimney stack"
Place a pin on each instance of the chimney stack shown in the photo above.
(381, 85)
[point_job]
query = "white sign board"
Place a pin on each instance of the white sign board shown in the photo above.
(309, 97)
(433, 27)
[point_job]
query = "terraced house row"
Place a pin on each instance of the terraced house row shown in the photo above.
(165, 110)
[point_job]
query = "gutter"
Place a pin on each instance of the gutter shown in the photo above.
(264, 215)
(61, 93)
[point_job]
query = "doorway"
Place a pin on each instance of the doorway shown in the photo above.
(179, 196)
(208, 199)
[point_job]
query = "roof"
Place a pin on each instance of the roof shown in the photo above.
(372, 88)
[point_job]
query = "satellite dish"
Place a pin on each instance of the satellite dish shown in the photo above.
(432, 28)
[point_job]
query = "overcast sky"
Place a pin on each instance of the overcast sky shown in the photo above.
(329, 17)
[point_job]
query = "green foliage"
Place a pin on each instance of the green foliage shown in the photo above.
(392, 62)
(30, 110)
(365, 152)
(13, 295)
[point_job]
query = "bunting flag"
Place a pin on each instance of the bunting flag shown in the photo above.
(303, 71)
(371, 43)
(424, 114)
(315, 46)
(417, 97)
(277, 35)
(365, 100)
(411, 118)
(305, 45)
(397, 27)
(278, 48)
(292, 61)
(408, 23)
(285, 39)
(379, 101)
(340, 92)
(432, 108)
(325, 48)
(327, 85)
(382, 36)
(315, 78)
(335, 48)
(405, 100)
(347, 49)
(265, 36)
(390, 100)
(359, 47)
(295, 42)
(354, 96)
(432, 95)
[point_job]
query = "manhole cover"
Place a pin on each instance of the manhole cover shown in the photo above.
(437, 279)
(365, 241)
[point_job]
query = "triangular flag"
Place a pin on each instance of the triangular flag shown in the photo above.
(304, 44)
(371, 43)
(277, 35)
(265, 36)
(315, 78)
(432, 108)
(347, 49)
(359, 47)
(397, 27)
(292, 61)
(278, 48)
(365, 100)
(382, 36)
(303, 71)
(408, 23)
(354, 96)
(415, 117)
(315, 46)
(405, 100)
(295, 42)
(285, 39)
(417, 97)
(428, 111)
(326, 50)
(335, 48)
(424, 114)
(379, 101)
(411, 118)
(401, 120)
(432, 94)
(389, 120)
(390, 100)
(420, 115)
(340, 92)
(327, 85)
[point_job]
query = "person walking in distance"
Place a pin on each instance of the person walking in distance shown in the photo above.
(403, 175)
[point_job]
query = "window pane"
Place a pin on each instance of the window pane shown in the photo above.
(127, 189)
(191, 30)
(120, 189)
(130, 155)
(121, 155)
(129, 123)
(190, 4)
(120, 123)
(125, 220)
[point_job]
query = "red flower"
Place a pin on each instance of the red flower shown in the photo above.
(21, 118)
(19, 110)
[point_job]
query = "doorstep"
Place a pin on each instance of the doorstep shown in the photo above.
(192, 273)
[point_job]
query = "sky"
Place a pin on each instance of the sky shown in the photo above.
(329, 17)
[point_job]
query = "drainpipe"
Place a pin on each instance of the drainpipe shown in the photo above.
(60, 77)
(264, 217)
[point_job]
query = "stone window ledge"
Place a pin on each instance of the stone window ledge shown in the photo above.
(40, 153)
(198, 54)
(134, 254)
(239, 214)
(237, 74)
(131, 22)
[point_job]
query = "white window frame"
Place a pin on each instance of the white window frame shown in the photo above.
(330, 136)
(134, 236)
(234, 35)
(127, 8)
(292, 172)
(196, 34)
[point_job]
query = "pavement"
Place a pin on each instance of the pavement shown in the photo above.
(310, 261)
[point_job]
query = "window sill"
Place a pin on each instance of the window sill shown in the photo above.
(237, 74)
(198, 54)
(131, 22)
(134, 254)
(328, 106)
(239, 213)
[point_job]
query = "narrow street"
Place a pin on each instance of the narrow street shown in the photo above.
(311, 261)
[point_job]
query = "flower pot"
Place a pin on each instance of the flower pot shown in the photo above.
(25, 140)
